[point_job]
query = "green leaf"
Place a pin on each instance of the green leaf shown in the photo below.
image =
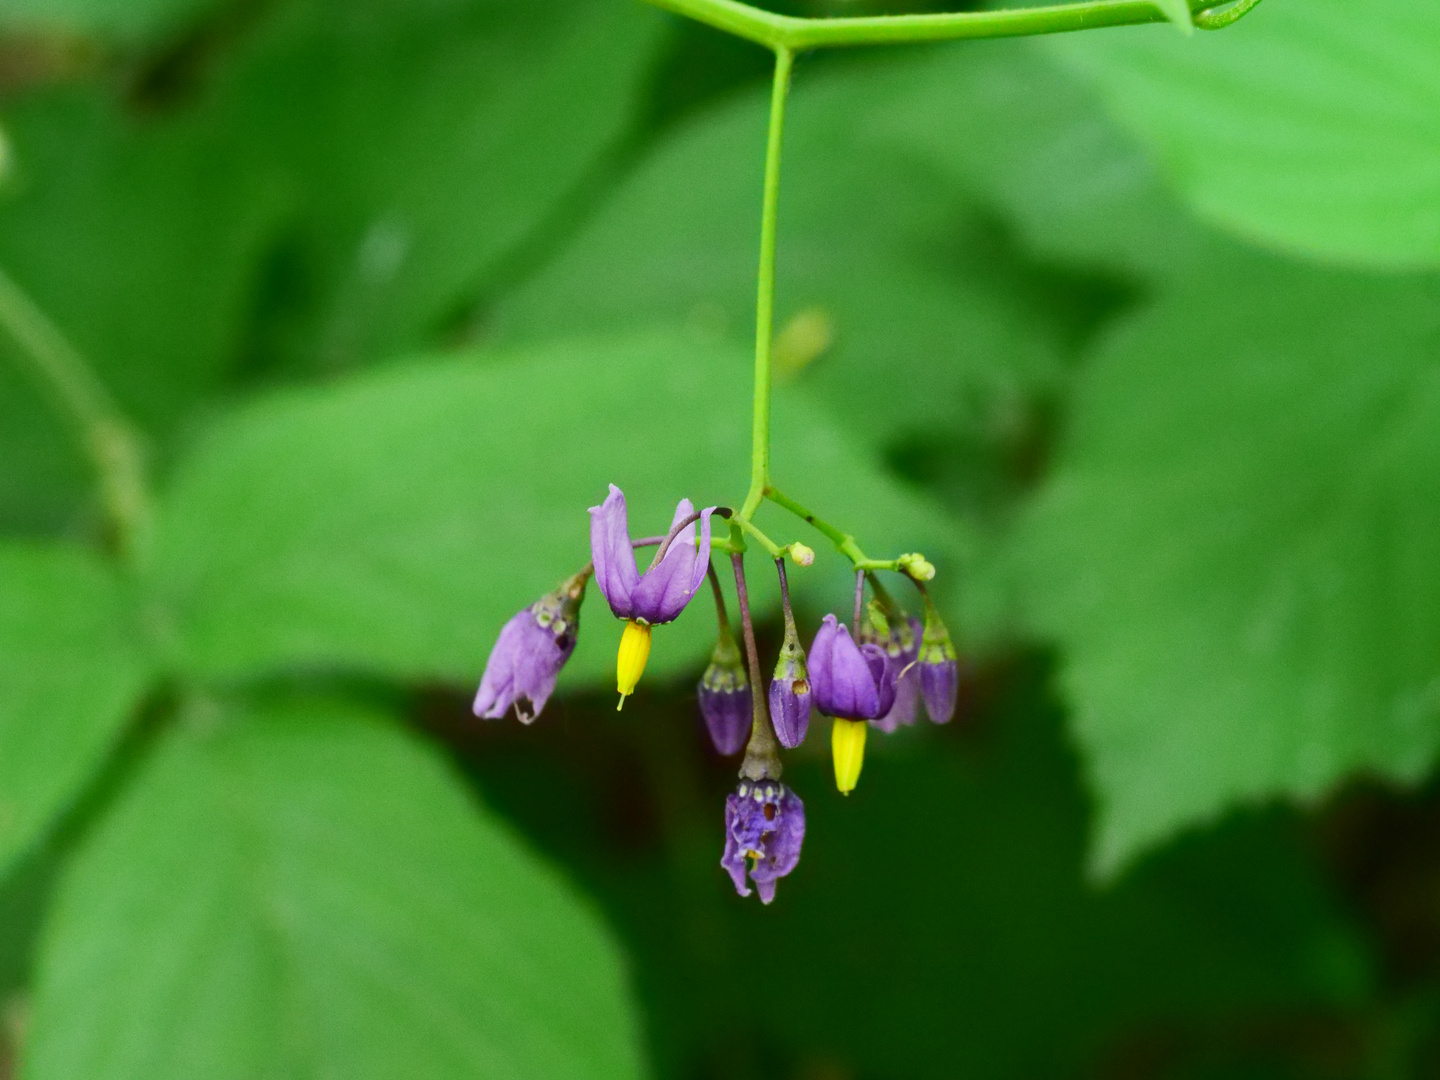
(129, 21)
(140, 239)
(1238, 550)
(396, 521)
(936, 323)
(306, 892)
(1305, 125)
(69, 678)
(422, 145)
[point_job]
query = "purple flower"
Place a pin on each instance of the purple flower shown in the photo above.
(790, 692)
(901, 642)
(661, 593)
(528, 656)
(725, 697)
(939, 669)
(853, 682)
(765, 823)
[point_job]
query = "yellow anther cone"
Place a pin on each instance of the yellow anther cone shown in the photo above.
(847, 743)
(630, 662)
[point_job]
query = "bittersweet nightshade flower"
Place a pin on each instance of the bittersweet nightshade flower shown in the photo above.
(528, 655)
(939, 668)
(725, 696)
(764, 823)
(900, 638)
(656, 596)
(790, 692)
(853, 683)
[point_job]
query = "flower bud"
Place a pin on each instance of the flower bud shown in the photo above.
(939, 668)
(724, 694)
(790, 692)
(802, 555)
(917, 566)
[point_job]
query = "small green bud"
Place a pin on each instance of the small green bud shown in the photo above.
(802, 555)
(917, 566)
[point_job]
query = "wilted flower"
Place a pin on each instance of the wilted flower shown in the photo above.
(853, 683)
(528, 655)
(656, 596)
(724, 694)
(765, 823)
(939, 668)
(900, 638)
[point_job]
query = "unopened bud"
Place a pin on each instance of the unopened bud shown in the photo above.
(724, 694)
(802, 555)
(917, 566)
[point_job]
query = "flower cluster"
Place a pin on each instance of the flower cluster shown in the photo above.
(879, 672)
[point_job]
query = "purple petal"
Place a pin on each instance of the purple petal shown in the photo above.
(612, 553)
(733, 860)
(790, 711)
(843, 680)
(941, 685)
(884, 671)
(664, 590)
(728, 715)
(525, 663)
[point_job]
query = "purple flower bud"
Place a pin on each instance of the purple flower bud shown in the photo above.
(661, 593)
(725, 697)
(532, 648)
(849, 681)
(900, 638)
(790, 692)
(765, 823)
(939, 669)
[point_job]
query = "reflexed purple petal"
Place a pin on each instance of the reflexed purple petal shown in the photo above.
(764, 821)
(941, 685)
(664, 590)
(728, 714)
(612, 553)
(790, 710)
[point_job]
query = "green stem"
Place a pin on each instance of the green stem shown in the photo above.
(775, 550)
(786, 32)
(107, 438)
(765, 292)
(843, 541)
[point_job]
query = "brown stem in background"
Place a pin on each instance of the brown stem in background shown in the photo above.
(859, 604)
(762, 753)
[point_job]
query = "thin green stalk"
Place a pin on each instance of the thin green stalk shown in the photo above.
(794, 34)
(765, 292)
(106, 436)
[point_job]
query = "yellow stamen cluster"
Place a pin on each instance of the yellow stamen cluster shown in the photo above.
(847, 743)
(630, 661)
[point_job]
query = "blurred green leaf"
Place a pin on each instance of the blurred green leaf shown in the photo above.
(396, 521)
(139, 237)
(70, 676)
(305, 892)
(935, 321)
(129, 21)
(1238, 549)
(1307, 125)
(421, 146)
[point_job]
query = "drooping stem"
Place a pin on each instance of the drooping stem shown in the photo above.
(790, 630)
(721, 616)
(765, 291)
(106, 436)
(792, 33)
(762, 752)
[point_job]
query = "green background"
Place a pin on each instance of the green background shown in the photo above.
(1136, 335)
